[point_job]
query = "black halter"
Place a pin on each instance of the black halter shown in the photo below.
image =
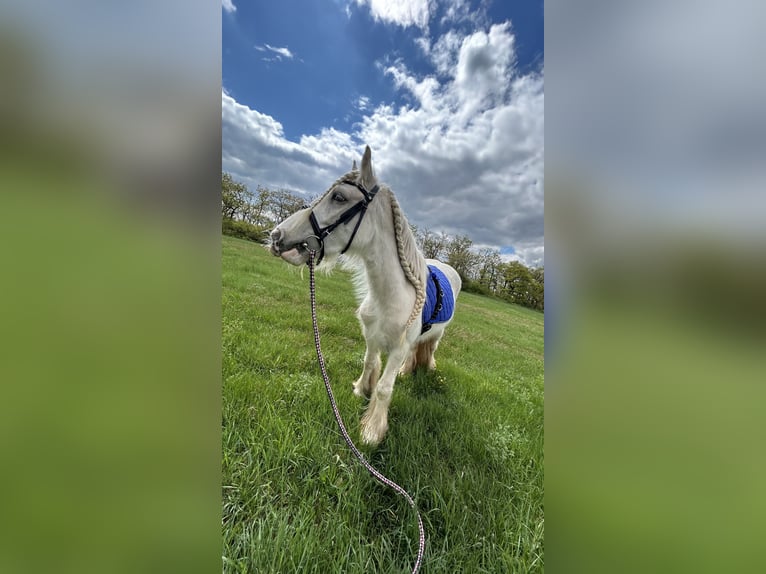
(321, 232)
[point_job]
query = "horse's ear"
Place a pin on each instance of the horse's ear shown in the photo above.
(368, 179)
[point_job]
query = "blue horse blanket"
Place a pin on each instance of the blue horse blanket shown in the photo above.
(440, 303)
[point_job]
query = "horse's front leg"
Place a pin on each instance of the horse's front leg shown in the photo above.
(365, 384)
(375, 419)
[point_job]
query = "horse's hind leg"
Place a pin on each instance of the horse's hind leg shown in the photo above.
(365, 384)
(425, 354)
(410, 362)
(421, 355)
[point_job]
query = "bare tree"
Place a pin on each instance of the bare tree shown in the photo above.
(256, 209)
(283, 204)
(233, 196)
(432, 245)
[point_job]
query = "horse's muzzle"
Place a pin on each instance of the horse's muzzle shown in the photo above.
(276, 241)
(296, 254)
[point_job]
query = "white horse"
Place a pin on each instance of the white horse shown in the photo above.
(406, 300)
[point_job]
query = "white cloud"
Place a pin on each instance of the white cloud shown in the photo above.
(280, 52)
(465, 156)
(463, 11)
(229, 6)
(402, 12)
(363, 103)
(256, 151)
(445, 51)
(484, 66)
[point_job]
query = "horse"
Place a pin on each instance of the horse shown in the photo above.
(405, 300)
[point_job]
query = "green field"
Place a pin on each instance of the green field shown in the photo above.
(466, 441)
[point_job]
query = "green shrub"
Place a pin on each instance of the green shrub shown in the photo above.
(476, 287)
(244, 230)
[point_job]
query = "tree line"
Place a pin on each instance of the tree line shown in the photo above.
(483, 269)
(253, 214)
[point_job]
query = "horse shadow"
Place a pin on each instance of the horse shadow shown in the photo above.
(434, 430)
(427, 413)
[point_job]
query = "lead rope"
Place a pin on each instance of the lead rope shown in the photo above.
(371, 469)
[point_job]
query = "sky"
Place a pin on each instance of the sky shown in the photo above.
(447, 93)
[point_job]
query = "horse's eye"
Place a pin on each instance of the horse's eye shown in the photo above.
(338, 197)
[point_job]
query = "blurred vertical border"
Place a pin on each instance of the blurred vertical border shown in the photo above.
(656, 275)
(110, 147)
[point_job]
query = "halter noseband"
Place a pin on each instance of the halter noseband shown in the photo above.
(321, 232)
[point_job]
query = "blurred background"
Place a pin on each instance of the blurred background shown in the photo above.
(110, 309)
(656, 274)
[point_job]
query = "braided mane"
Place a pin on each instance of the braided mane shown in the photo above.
(412, 261)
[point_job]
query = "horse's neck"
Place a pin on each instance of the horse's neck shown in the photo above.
(385, 276)
(383, 271)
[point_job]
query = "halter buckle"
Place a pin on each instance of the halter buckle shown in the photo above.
(313, 243)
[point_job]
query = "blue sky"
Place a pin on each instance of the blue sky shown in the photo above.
(448, 93)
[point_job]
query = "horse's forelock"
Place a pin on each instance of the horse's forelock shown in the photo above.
(351, 175)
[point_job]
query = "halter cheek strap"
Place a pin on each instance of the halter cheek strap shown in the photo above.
(359, 208)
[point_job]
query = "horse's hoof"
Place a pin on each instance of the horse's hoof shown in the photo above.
(370, 438)
(373, 433)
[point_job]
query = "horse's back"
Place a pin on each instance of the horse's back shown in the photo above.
(454, 278)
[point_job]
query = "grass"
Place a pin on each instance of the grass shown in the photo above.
(466, 441)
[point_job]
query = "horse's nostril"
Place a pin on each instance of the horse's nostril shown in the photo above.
(276, 236)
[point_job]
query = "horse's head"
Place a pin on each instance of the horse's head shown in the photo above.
(333, 222)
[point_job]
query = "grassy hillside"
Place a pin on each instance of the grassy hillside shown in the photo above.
(465, 441)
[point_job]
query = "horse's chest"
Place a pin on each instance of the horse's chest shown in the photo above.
(381, 327)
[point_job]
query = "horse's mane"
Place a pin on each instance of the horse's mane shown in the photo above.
(412, 261)
(410, 258)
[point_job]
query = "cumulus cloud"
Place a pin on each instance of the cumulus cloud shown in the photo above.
(401, 12)
(229, 6)
(256, 151)
(483, 66)
(475, 140)
(464, 156)
(444, 52)
(419, 12)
